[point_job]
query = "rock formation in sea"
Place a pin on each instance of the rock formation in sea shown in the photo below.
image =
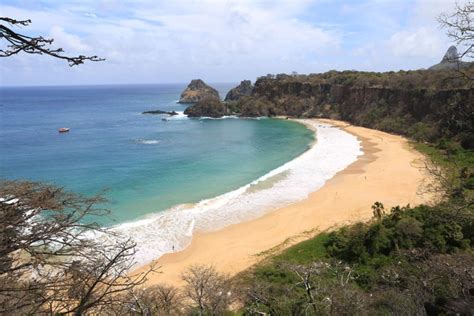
(451, 60)
(243, 89)
(171, 113)
(198, 90)
(208, 107)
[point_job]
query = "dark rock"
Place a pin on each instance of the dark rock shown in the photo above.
(451, 60)
(419, 103)
(160, 112)
(196, 91)
(451, 54)
(243, 89)
(210, 107)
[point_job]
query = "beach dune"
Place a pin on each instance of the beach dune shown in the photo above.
(389, 171)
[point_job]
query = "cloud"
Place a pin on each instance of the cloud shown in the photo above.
(224, 40)
(422, 36)
(187, 36)
(69, 42)
(418, 42)
(427, 11)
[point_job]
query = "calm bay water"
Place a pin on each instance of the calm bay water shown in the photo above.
(146, 164)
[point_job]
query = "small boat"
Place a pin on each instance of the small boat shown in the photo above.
(64, 129)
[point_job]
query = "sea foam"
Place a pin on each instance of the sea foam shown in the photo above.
(178, 117)
(147, 141)
(172, 230)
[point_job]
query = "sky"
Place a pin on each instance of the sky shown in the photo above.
(174, 41)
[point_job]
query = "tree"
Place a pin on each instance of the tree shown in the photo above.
(460, 25)
(146, 301)
(266, 298)
(317, 288)
(305, 274)
(210, 291)
(449, 182)
(378, 210)
(39, 45)
(431, 284)
(54, 258)
(165, 299)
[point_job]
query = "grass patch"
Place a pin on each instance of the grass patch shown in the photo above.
(306, 251)
(446, 153)
(457, 162)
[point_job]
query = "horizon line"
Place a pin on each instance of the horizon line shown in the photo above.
(108, 84)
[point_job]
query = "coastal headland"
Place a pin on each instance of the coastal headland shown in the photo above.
(389, 171)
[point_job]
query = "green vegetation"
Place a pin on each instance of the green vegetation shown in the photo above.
(307, 251)
(425, 105)
(446, 153)
(456, 165)
(403, 79)
(407, 260)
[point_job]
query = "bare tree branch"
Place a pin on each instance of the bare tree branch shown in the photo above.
(460, 28)
(48, 261)
(17, 43)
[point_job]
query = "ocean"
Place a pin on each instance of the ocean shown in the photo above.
(144, 164)
(164, 180)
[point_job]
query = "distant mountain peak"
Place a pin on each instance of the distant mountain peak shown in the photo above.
(451, 55)
(451, 60)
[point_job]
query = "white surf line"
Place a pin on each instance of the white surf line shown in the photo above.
(172, 230)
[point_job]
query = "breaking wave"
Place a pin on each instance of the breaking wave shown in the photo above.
(172, 229)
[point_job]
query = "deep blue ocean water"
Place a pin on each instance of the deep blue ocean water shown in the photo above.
(146, 164)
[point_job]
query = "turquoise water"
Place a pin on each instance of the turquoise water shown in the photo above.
(146, 164)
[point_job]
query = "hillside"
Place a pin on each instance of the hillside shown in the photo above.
(421, 104)
(425, 104)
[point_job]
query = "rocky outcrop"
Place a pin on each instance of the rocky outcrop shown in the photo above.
(196, 91)
(171, 113)
(451, 60)
(210, 107)
(423, 104)
(413, 109)
(305, 99)
(243, 89)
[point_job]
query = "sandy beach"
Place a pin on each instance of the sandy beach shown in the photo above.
(388, 171)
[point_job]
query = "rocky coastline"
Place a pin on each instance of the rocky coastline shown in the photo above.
(196, 91)
(419, 104)
(244, 89)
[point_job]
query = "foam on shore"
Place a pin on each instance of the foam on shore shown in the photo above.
(172, 230)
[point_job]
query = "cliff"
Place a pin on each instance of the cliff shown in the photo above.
(419, 104)
(210, 107)
(243, 89)
(424, 104)
(198, 90)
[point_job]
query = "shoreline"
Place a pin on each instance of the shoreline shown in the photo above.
(343, 199)
(172, 230)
